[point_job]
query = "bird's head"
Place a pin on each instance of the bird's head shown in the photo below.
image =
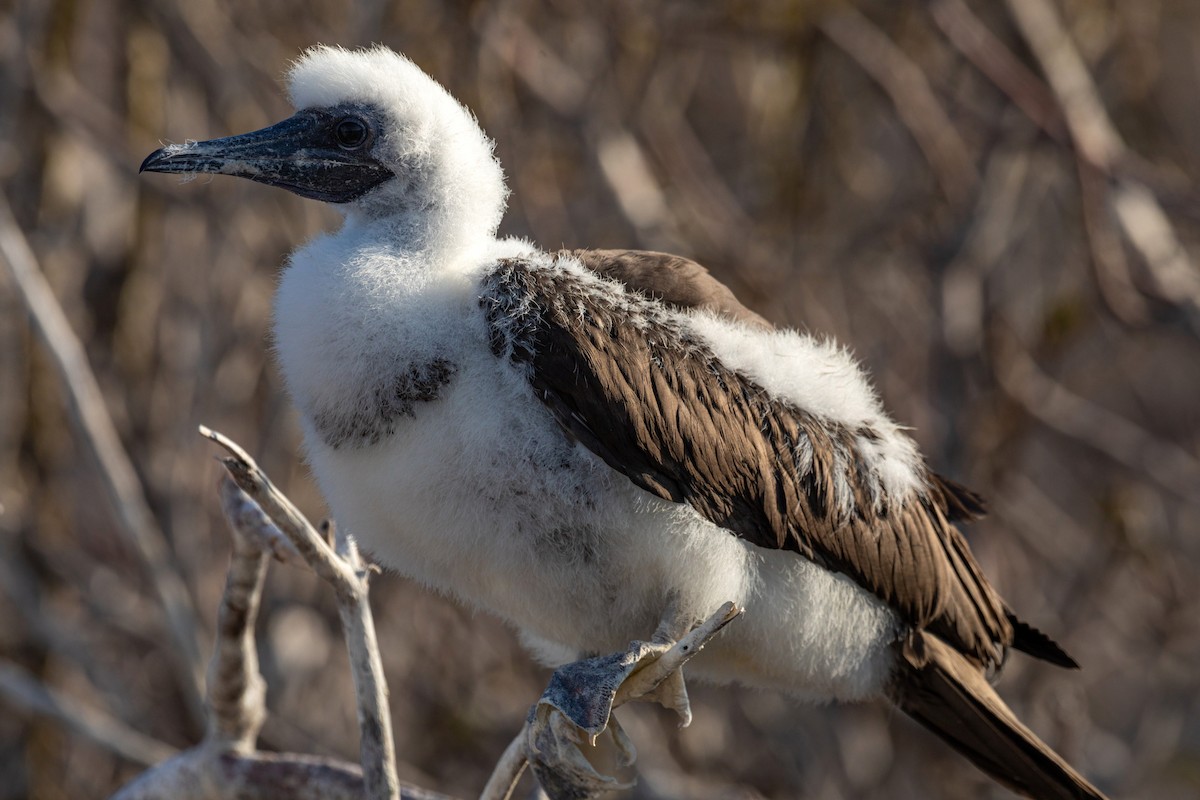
(374, 134)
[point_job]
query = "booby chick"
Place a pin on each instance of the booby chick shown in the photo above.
(578, 441)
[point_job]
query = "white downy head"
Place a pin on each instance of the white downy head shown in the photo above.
(446, 183)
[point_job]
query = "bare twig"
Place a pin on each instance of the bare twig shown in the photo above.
(1064, 68)
(116, 470)
(1167, 464)
(251, 524)
(204, 773)
(989, 55)
(311, 545)
(1113, 276)
(345, 570)
(236, 691)
(916, 104)
(226, 764)
(25, 692)
(1141, 217)
(508, 770)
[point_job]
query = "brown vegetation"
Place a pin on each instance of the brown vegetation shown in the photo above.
(993, 204)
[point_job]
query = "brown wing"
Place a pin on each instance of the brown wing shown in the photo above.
(633, 386)
(685, 284)
(674, 280)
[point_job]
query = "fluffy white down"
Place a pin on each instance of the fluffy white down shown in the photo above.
(478, 494)
(822, 378)
(449, 185)
(815, 375)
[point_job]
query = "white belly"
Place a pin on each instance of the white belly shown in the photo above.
(481, 496)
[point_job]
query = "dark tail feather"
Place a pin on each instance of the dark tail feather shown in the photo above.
(1029, 639)
(959, 503)
(943, 691)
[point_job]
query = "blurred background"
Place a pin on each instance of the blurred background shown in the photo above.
(992, 204)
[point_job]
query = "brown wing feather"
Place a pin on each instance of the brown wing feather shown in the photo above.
(658, 406)
(674, 280)
(958, 503)
(685, 284)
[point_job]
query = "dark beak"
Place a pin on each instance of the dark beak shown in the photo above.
(299, 154)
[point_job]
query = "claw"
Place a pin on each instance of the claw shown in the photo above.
(576, 707)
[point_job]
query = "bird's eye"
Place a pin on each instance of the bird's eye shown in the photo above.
(351, 133)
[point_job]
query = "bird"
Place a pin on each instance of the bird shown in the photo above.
(577, 441)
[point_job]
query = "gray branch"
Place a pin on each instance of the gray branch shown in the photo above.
(345, 570)
(116, 470)
(26, 692)
(225, 764)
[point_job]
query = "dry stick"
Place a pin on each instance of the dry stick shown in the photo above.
(1142, 219)
(512, 763)
(116, 470)
(349, 578)
(911, 95)
(509, 769)
(1113, 276)
(967, 34)
(236, 701)
(1028, 93)
(225, 763)
(248, 521)
(1169, 465)
(26, 692)
(621, 157)
(236, 690)
(1090, 127)
(645, 680)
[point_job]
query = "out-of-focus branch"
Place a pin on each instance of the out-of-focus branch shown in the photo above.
(620, 155)
(117, 472)
(520, 49)
(1138, 212)
(916, 104)
(1064, 68)
(1109, 260)
(978, 45)
(1151, 233)
(1167, 464)
(994, 223)
(344, 569)
(24, 691)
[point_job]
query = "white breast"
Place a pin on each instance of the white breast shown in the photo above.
(480, 495)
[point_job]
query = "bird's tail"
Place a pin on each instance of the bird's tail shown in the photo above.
(943, 691)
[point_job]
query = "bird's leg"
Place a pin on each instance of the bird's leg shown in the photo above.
(674, 622)
(577, 705)
(671, 692)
